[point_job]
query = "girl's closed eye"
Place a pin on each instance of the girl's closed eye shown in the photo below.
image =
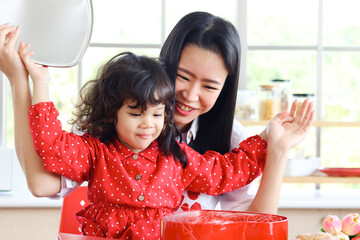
(135, 114)
(158, 114)
(134, 110)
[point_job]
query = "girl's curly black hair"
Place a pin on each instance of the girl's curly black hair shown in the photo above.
(127, 76)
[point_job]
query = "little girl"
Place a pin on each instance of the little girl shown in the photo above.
(136, 171)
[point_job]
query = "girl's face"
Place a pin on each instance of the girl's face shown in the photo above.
(200, 77)
(136, 129)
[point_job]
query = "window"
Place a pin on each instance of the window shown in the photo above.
(314, 44)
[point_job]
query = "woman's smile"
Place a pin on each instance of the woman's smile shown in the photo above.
(184, 109)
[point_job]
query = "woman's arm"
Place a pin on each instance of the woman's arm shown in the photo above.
(267, 197)
(283, 133)
(40, 182)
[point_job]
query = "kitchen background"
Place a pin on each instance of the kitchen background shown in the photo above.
(314, 44)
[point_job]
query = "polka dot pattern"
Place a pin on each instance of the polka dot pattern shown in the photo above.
(130, 192)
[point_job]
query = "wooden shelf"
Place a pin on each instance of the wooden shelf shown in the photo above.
(315, 123)
(321, 179)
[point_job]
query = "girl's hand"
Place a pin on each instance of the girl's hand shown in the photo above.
(10, 62)
(37, 73)
(286, 130)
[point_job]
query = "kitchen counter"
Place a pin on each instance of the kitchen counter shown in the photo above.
(19, 209)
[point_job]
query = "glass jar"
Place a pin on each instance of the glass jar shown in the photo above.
(269, 101)
(333, 106)
(246, 105)
(286, 93)
(300, 97)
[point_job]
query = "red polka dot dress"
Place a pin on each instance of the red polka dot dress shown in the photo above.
(129, 192)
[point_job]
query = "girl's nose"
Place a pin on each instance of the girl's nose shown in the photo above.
(147, 122)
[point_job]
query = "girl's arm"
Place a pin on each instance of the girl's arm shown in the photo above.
(214, 173)
(40, 182)
(283, 133)
(61, 152)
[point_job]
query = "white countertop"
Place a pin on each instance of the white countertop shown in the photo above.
(24, 199)
(320, 199)
(315, 199)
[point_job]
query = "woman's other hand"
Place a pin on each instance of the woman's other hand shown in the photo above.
(286, 130)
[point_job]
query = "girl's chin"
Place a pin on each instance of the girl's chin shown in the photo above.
(140, 146)
(139, 149)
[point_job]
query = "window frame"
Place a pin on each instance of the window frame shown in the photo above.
(3, 110)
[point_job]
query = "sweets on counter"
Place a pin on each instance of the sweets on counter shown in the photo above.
(316, 236)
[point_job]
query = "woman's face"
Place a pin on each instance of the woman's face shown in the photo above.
(200, 77)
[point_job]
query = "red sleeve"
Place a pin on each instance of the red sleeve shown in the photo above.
(214, 174)
(62, 152)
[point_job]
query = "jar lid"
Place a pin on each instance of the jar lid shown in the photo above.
(303, 95)
(280, 80)
(270, 86)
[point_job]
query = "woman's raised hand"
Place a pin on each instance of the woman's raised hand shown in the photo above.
(286, 130)
(10, 62)
(17, 63)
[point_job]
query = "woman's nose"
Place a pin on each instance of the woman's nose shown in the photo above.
(191, 93)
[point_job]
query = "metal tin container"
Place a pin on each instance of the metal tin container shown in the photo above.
(229, 225)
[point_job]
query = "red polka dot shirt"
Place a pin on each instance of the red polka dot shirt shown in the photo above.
(129, 192)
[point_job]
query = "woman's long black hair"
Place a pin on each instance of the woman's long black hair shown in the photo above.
(127, 76)
(219, 36)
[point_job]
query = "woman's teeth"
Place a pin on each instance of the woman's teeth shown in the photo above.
(185, 108)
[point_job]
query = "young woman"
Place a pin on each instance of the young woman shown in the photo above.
(202, 54)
